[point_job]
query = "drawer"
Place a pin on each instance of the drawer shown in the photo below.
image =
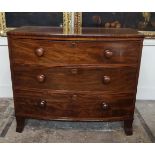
(88, 78)
(46, 52)
(73, 105)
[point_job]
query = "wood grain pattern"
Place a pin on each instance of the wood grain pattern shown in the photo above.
(74, 52)
(90, 76)
(56, 33)
(76, 106)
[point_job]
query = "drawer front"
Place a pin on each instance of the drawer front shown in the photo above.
(74, 106)
(76, 78)
(66, 52)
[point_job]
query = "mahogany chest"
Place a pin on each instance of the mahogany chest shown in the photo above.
(90, 76)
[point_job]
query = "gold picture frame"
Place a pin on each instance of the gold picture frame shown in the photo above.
(77, 22)
(3, 28)
(72, 22)
(67, 23)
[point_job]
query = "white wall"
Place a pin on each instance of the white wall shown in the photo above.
(146, 84)
(5, 76)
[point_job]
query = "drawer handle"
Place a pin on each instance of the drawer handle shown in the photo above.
(41, 78)
(108, 54)
(106, 79)
(42, 104)
(105, 106)
(39, 52)
(74, 71)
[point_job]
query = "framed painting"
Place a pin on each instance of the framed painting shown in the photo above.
(11, 20)
(144, 22)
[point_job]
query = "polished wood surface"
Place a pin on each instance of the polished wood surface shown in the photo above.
(87, 78)
(85, 32)
(73, 105)
(91, 76)
(48, 52)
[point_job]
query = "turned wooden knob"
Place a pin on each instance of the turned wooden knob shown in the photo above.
(108, 54)
(42, 104)
(41, 78)
(74, 71)
(39, 52)
(106, 79)
(105, 106)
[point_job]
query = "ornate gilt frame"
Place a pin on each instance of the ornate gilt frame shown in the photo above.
(3, 28)
(67, 23)
(77, 22)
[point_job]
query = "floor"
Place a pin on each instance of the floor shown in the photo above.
(37, 131)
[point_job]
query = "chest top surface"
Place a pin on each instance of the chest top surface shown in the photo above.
(53, 32)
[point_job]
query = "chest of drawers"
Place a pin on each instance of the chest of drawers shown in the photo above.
(90, 76)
